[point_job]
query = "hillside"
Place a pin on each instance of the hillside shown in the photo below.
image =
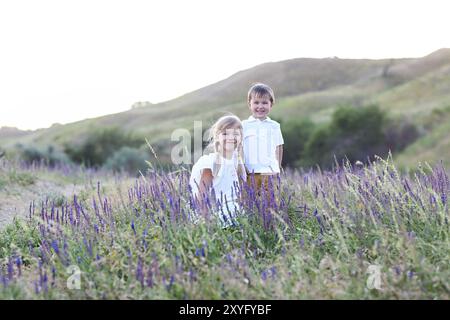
(12, 133)
(288, 78)
(304, 87)
(433, 147)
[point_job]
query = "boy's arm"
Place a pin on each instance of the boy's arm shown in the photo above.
(279, 150)
(279, 154)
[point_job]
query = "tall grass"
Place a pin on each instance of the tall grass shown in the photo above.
(313, 236)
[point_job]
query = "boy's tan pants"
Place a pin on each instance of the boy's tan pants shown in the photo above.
(260, 180)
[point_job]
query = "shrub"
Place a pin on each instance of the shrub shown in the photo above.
(400, 133)
(49, 155)
(127, 159)
(353, 134)
(101, 145)
(296, 134)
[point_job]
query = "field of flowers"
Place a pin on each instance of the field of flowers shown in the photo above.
(364, 232)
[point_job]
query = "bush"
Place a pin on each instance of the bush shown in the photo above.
(49, 155)
(400, 133)
(353, 134)
(101, 145)
(127, 159)
(296, 133)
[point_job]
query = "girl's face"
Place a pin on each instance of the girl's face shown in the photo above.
(229, 139)
(260, 106)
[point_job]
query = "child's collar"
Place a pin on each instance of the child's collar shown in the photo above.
(252, 118)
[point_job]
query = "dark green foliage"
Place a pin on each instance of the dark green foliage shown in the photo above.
(400, 133)
(48, 155)
(128, 159)
(296, 134)
(356, 134)
(101, 145)
(318, 144)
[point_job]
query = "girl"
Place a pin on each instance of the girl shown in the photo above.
(215, 177)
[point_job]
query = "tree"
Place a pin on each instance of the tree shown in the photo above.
(353, 134)
(296, 134)
(101, 145)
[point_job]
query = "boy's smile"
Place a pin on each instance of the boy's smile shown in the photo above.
(260, 106)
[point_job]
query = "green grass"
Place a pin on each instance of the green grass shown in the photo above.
(16, 177)
(417, 97)
(319, 245)
(432, 148)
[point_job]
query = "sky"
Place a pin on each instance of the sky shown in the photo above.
(66, 60)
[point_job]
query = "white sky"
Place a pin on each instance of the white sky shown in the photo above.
(63, 61)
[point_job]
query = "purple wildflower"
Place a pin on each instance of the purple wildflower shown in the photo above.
(19, 265)
(10, 269)
(264, 275)
(132, 227)
(319, 220)
(273, 272)
(149, 280)
(44, 282)
(171, 281)
(139, 271)
(55, 247)
(53, 276)
(302, 242)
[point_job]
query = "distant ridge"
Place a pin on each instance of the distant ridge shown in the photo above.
(12, 132)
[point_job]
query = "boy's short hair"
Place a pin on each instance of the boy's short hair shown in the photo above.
(260, 90)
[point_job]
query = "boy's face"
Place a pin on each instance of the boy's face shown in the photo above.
(260, 106)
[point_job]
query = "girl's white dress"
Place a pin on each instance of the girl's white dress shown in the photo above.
(225, 185)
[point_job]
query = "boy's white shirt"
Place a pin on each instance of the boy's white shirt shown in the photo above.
(261, 138)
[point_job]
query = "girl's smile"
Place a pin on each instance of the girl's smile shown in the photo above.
(229, 140)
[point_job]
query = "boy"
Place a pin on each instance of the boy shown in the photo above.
(263, 141)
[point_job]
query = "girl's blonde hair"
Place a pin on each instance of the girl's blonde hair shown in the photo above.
(224, 123)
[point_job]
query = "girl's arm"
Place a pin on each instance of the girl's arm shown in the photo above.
(279, 154)
(205, 187)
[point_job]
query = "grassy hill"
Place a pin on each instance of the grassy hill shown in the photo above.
(310, 88)
(434, 146)
(12, 133)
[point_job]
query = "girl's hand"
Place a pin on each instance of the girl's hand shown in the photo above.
(205, 185)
